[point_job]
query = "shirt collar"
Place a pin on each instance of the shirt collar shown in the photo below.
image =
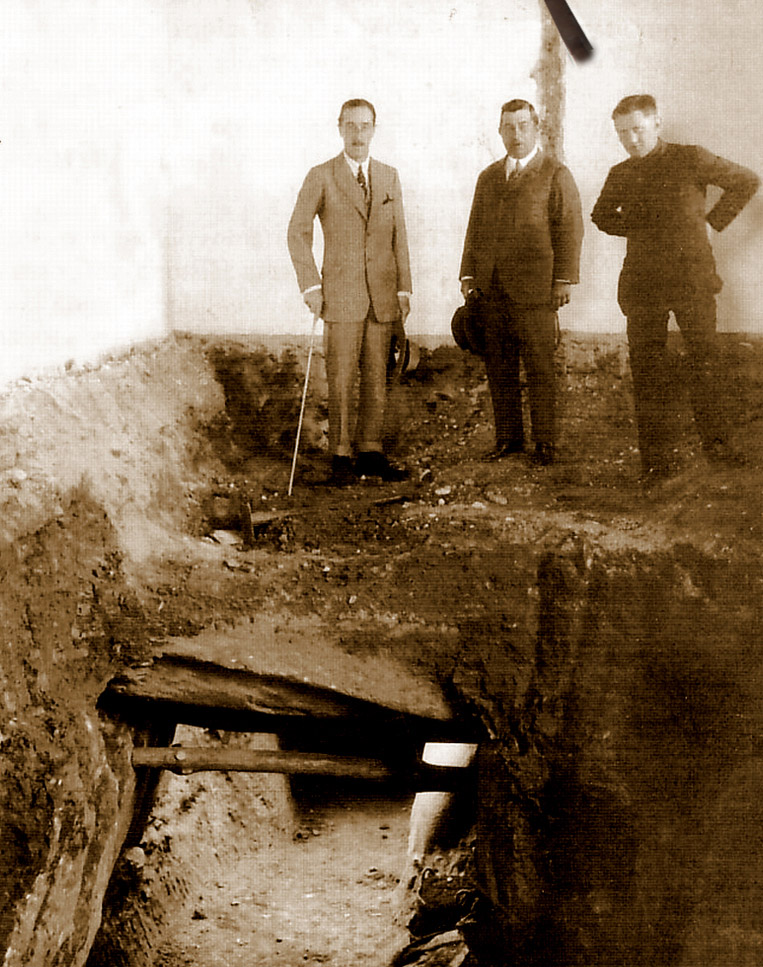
(520, 163)
(657, 151)
(354, 165)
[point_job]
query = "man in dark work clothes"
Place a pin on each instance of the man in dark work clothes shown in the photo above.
(521, 255)
(656, 199)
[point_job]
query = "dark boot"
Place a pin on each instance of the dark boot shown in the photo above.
(372, 463)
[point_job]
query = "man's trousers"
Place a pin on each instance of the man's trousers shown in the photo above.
(350, 348)
(653, 384)
(527, 332)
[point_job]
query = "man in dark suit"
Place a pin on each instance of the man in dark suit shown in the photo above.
(521, 255)
(657, 200)
(363, 291)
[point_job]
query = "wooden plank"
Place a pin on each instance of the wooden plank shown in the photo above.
(262, 518)
(205, 684)
(304, 650)
(369, 726)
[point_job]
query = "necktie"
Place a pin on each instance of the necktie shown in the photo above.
(366, 193)
(514, 171)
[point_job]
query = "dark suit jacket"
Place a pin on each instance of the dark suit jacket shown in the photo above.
(658, 203)
(528, 230)
(365, 253)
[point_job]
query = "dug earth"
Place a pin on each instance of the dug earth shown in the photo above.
(603, 641)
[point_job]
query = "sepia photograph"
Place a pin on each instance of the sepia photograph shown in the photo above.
(381, 463)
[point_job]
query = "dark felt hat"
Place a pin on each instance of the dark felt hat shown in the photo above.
(467, 328)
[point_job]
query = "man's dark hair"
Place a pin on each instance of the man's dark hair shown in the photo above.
(635, 102)
(357, 102)
(518, 105)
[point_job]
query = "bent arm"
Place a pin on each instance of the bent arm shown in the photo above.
(474, 232)
(609, 213)
(738, 184)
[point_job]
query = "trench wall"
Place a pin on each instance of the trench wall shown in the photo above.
(620, 789)
(67, 783)
(103, 473)
(84, 457)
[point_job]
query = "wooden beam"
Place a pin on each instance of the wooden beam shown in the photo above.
(187, 760)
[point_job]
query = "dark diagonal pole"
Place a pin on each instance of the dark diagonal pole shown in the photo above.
(570, 30)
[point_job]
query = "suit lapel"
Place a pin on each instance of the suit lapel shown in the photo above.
(530, 169)
(499, 179)
(380, 186)
(348, 185)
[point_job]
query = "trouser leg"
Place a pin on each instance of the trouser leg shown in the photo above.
(373, 383)
(538, 328)
(502, 367)
(647, 342)
(342, 343)
(697, 322)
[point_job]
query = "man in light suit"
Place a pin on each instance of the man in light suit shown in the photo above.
(522, 255)
(363, 291)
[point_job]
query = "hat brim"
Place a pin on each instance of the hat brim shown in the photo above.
(467, 331)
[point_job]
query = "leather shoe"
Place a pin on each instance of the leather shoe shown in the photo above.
(544, 454)
(504, 450)
(342, 473)
(371, 463)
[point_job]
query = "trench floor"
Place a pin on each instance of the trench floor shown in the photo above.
(325, 896)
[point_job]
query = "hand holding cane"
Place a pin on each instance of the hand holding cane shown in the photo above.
(304, 398)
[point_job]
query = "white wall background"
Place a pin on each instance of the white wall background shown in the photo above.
(702, 63)
(81, 184)
(255, 95)
(151, 151)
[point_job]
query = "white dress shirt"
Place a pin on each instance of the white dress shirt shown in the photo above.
(355, 165)
(519, 164)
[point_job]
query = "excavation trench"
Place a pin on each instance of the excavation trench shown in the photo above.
(618, 748)
(342, 767)
(600, 645)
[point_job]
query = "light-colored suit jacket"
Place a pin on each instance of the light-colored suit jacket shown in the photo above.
(365, 258)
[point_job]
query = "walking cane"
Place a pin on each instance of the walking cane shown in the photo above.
(302, 407)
